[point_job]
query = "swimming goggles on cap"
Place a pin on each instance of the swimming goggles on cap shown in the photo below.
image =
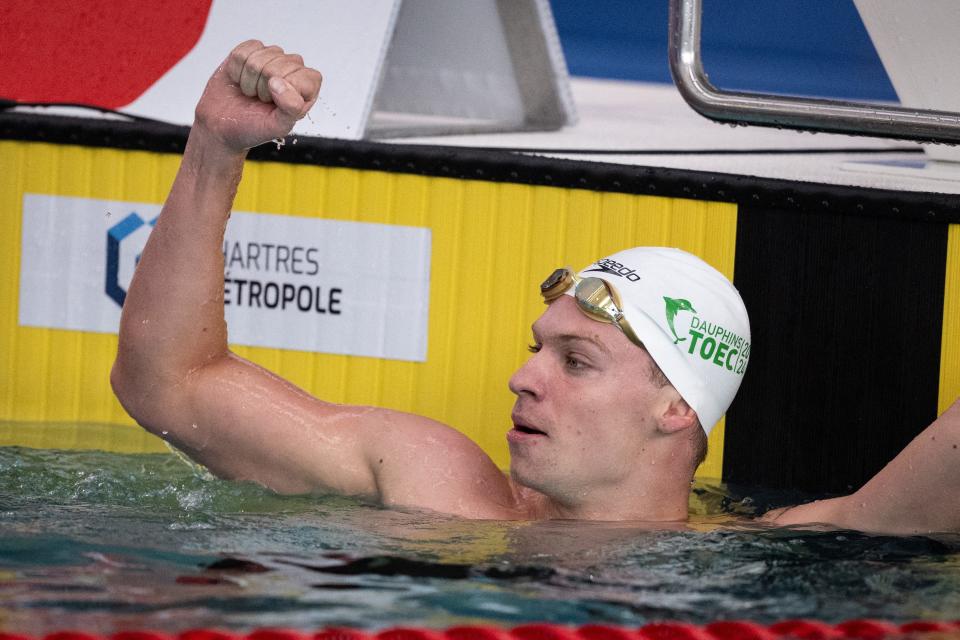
(595, 297)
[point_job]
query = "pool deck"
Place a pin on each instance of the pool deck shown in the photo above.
(638, 117)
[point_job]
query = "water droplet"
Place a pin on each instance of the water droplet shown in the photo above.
(163, 433)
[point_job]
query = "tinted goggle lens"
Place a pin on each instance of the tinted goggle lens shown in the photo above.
(556, 284)
(595, 297)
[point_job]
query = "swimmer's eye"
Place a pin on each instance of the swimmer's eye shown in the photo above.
(574, 364)
(534, 348)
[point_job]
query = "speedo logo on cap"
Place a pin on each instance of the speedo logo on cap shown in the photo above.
(709, 341)
(614, 268)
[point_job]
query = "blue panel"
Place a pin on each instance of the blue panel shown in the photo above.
(818, 48)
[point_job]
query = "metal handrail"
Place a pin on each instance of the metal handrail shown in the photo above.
(811, 114)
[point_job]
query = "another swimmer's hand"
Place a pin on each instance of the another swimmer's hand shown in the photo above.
(256, 95)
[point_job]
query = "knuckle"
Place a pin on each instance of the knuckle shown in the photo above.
(252, 61)
(315, 79)
(279, 65)
(262, 58)
(242, 50)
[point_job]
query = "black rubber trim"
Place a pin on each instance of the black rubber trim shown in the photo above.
(113, 134)
(506, 166)
(846, 319)
(759, 151)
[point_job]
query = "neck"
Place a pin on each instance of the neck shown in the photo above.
(657, 489)
(644, 504)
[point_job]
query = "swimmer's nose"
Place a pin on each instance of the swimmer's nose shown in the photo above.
(529, 377)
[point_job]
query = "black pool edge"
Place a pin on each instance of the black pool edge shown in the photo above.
(467, 163)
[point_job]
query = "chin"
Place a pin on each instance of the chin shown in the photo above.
(524, 475)
(518, 472)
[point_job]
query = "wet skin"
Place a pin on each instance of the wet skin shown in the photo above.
(593, 437)
(587, 420)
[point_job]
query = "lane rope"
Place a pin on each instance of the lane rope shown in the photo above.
(864, 629)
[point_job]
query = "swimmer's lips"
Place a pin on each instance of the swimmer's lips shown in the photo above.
(521, 431)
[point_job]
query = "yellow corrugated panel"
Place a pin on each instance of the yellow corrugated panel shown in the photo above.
(54, 376)
(72, 435)
(492, 244)
(950, 343)
(11, 188)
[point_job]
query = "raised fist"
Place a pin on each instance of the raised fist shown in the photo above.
(256, 95)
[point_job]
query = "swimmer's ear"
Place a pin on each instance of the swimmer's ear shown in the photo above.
(678, 416)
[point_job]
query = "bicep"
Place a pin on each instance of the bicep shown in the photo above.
(245, 423)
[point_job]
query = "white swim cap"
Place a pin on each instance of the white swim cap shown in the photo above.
(689, 317)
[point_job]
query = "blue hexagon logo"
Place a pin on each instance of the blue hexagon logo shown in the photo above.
(115, 237)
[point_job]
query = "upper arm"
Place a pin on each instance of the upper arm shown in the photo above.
(917, 492)
(245, 423)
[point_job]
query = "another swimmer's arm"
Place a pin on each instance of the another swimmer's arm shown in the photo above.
(917, 492)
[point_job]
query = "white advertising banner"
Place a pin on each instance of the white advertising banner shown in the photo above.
(289, 282)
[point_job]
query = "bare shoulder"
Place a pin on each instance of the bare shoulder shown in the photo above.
(420, 462)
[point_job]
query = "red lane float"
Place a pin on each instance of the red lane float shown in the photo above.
(722, 630)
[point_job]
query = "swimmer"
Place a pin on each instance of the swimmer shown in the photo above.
(612, 407)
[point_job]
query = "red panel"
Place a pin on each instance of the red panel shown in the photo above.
(105, 53)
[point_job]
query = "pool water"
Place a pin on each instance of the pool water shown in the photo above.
(104, 541)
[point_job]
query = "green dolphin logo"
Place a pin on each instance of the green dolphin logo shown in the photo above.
(673, 308)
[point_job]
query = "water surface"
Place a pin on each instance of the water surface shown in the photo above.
(104, 541)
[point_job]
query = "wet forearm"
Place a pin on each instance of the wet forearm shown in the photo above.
(916, 493)
(173, 316)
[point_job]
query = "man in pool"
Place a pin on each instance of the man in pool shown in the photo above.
(611, 409)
